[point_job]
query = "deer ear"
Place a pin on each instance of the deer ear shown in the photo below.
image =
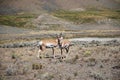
(60, 34)
(57, 35)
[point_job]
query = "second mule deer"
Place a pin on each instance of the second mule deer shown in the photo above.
(64, 44)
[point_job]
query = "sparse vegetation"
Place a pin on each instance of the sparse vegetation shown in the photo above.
(76, 74)
(87, 53)
(73, 60)
(18, 20)
(88, 59)
(76, 66)
(11, 70)
(89, 16)
(37, 66)
(2, 77)
(14, 56)
(55, 27)
(69, 78)
(96, 76)
(92, 62)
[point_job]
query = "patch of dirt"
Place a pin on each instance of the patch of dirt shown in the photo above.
(82, 63)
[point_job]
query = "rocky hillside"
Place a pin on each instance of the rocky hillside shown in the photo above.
(37, 6)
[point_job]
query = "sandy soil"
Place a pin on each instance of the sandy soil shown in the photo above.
(83, 63)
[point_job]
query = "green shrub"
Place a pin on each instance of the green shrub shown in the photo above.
(2, 77)
(14, 56)
(16, 20)
(36, 66)
(87, 53)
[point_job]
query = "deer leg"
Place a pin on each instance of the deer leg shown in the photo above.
(67, 50)
(38, 55)
(61, 53)
(53, 53)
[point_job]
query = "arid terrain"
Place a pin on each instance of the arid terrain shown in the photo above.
(92, 26)
(84, 62)
(88, 59)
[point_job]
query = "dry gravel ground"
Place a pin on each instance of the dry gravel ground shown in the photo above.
(83, 63)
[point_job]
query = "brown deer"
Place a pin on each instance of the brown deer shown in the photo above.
(63, 44)
(52, 43)
(43, 44)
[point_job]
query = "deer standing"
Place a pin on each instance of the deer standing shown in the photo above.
(43, 44)
(64, 44)
(60, 42)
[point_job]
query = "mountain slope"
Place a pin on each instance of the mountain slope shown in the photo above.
(13, 6)
(88, 3)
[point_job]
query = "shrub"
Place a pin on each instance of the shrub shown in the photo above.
(2, 77)
(73, 60)
(11, 70)
(87, 53)
(37, 66)
(14, 56)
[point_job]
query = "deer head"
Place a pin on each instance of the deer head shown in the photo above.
(59, 39)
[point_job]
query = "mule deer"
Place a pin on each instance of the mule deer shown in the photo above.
(52, 43)
(63, 44)
(43, 44)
